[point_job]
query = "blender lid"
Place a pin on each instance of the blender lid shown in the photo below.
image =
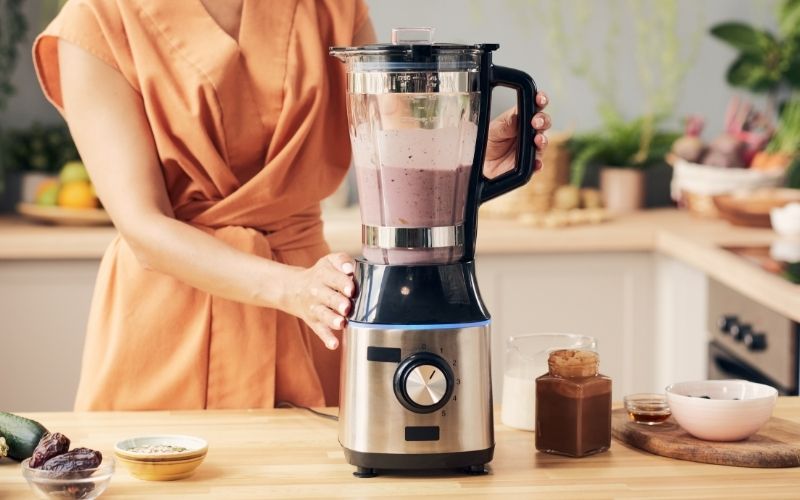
(413, 49)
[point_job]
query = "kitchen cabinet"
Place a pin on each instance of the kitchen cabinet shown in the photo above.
(44, 308)
(606, 295)
(680, 321)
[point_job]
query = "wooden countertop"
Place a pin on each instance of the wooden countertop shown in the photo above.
(292, 454)
(669, 232)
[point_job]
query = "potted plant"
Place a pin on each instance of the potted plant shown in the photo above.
(623, 150)
(13, 27)
(662, 54)
(38, 152)
(767, 62)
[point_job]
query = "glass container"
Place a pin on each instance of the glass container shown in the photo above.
(525, 359)
(573, 410)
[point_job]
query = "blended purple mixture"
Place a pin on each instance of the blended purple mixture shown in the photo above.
(413, 197)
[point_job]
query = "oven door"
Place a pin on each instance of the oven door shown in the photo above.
(723, 365)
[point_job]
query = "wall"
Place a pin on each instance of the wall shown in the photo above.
(521, 28)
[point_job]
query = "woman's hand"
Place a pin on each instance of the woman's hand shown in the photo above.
(501, 150)
(321, 295)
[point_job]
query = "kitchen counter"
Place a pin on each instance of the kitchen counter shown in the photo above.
(669, 232)
(293, 454)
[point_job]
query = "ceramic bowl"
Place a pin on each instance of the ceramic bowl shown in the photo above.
(721, 410)
(162, 466)
(86, 484)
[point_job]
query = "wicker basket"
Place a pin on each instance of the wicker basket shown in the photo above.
(537, 195)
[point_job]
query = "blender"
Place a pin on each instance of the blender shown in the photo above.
(416, 383)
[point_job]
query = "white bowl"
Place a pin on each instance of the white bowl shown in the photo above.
(786, 220)
(736, 410)
(710, 180)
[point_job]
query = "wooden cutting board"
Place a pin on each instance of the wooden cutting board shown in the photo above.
(777, 444)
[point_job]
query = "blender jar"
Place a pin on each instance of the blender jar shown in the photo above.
(413, 110)
(526, 359)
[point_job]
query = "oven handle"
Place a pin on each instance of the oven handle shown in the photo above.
(731, 366)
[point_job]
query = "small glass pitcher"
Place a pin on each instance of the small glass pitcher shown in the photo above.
(526, 359)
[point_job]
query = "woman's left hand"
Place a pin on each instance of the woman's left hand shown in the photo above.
(501, 150)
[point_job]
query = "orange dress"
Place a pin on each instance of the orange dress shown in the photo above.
(251, 136)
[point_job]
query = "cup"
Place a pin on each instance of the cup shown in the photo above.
(526, 359)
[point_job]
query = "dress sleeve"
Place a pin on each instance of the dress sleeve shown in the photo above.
(89, 24)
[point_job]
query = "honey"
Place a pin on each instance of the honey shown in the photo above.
(647, 418)
(647, 409)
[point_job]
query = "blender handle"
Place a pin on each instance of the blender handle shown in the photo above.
(526, 108)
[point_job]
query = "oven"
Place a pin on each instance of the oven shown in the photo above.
(750, 341)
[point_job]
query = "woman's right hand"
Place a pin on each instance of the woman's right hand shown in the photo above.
(321, 295)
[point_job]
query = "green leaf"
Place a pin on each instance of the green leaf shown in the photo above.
(792, 73)
(789, 18)
(750, 72)
(743, 37)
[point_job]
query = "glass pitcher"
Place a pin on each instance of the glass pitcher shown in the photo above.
(418, 121)
(526, 359)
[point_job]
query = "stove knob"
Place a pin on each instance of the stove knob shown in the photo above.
(727, 322)
(423, 382)
(741, 330)
(755, 341)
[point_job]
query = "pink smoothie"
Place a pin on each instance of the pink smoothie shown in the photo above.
(413, 177)
(413, 197)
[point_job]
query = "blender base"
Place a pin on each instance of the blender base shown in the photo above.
(370, 464)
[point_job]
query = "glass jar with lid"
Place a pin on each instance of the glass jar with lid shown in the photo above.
(573, 405)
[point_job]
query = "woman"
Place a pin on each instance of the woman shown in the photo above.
(211, 130)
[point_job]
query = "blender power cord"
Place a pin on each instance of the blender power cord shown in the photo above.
(289, 404)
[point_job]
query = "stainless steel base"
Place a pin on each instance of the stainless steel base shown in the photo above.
(374, 422)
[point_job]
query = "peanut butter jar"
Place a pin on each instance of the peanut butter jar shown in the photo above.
(573, 405)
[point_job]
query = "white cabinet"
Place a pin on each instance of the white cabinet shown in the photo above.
(681, 331)
(606, 295)
(646, 311)
(43, 315)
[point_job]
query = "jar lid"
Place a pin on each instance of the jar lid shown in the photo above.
(413, 49)
(573, 363)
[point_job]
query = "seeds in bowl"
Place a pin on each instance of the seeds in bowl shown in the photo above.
(156, 449)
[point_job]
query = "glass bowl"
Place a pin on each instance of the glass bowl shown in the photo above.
(85, 484)
(646, 408)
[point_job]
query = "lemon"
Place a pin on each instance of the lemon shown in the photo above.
(47, 192)
(73, 171)
(77, 194)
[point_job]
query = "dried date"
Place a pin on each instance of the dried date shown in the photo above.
(74, 461)
(51, 445)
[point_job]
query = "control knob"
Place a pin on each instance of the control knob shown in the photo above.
(423, 382)
(755, 341)
(727, 322)
(740, 330)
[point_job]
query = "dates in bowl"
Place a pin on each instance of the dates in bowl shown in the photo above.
(55, 471)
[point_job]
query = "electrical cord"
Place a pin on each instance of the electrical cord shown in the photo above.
(289, 404)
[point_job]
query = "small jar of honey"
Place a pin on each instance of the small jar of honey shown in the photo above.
(647, 409)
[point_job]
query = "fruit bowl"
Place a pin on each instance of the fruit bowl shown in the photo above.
(753, 208)
(65, 216)
(696, 184)
(85, 484)
(721, 410)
